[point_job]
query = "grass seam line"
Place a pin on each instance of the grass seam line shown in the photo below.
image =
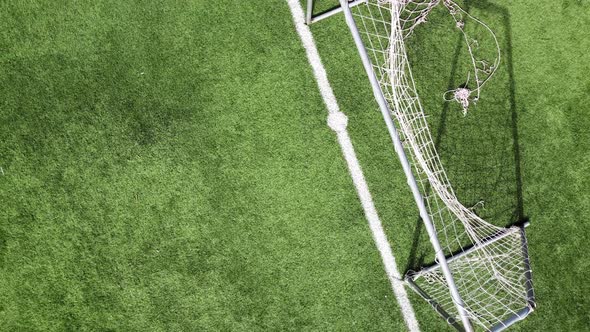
(338, 122)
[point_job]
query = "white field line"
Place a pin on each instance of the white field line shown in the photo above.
(338, 121)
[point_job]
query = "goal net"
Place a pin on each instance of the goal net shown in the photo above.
(480, 278)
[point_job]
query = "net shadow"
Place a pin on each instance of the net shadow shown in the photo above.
(481, 152)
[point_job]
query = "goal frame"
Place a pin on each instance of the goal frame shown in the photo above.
(411, 276)
(310, 17)
(443, 260)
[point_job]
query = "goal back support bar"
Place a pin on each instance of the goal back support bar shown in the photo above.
(508, 321)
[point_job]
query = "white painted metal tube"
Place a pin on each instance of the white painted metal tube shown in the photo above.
(309, 13)
(332, 12)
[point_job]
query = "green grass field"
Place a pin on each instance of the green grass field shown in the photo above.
(166, 166)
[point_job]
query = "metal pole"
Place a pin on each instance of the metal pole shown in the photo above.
(333, 11)
(309, 13)
(397, 144)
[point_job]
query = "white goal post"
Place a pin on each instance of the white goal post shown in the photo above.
(481, 278)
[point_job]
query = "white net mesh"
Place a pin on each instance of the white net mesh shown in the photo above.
(493, 276)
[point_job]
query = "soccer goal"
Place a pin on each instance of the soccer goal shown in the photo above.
(480, 279)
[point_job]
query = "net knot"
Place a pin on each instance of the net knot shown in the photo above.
(461, 95)
(421, 19)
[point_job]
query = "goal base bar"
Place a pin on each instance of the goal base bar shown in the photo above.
(311, 18)
(519, 315)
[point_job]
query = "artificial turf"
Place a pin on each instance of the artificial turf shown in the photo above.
(166, 166)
